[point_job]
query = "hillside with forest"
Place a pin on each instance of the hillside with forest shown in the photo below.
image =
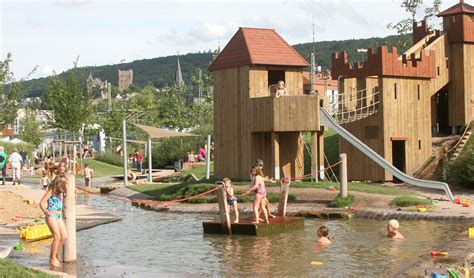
(160, 71)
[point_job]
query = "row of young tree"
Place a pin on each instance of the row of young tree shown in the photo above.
(73, 108)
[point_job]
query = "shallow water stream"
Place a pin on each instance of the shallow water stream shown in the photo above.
(147, 243)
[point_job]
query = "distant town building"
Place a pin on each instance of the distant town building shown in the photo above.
(324, 85)
(125, 79)
(28, 100)
(178, 77)
(43, 117)
(93, 83)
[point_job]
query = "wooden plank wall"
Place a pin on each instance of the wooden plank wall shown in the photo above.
(441, 48)
(349, 87)
(258, 82)
(359, 166)
(409, 117)
(461, 84)
(294, 82)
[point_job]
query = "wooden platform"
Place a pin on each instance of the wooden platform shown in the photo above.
(246, 227)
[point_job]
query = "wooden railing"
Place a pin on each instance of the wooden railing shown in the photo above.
(287, 113)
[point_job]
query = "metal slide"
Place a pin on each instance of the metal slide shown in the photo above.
(328, 121)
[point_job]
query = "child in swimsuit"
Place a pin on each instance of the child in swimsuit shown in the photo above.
(323, 233)
(393, 229)
(231, 199)
(44, 181)
(260, 195)
(52, 205)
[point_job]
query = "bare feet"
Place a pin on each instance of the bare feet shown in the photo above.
(255, 222)
(272, 216)
(236, 221)
(55, 262)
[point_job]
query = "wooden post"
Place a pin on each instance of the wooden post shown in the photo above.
(69, 251)
(343, 175)
(125, 154)
(53, 152)
(276, 154)
(208, 157)
(284, 190)
(60, 150)
(149, 160)
(223, 208)
(74, 154)
(321, 154)
(314, 156)
(65, 149)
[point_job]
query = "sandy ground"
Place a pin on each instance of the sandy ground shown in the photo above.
(14, 209)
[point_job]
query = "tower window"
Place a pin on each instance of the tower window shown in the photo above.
(438, 70)
(419, 144)
(418, 91)
(395, 90)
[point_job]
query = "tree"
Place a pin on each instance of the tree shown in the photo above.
(10, 93)
(30, 131)
(111, 121)
(69, 101)
(405, 26)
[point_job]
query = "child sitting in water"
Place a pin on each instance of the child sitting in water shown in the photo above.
(231, 199)
(392, 229)
(323, 233)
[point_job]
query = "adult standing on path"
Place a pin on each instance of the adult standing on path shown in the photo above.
(15, 164)
(3, 164)
(139, 160)
(24, 157)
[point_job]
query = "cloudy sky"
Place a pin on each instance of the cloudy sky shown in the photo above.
(50, 34)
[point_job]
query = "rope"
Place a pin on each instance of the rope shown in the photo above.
(148, 201)
(140, 201)
(315, 172)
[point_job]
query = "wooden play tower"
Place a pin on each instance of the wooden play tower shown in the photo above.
(396, 103)
(249, 122)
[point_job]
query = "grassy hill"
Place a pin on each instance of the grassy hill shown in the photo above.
(160, 71)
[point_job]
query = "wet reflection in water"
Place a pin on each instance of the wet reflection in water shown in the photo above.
(147, 243)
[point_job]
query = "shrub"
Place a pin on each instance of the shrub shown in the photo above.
(407, 201)
(110, 158)
(341, 202)
(174, 149)
(462, 170)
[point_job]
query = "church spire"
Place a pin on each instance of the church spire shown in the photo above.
(178, 75)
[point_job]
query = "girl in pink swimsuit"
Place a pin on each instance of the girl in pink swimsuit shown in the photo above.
(260, 195)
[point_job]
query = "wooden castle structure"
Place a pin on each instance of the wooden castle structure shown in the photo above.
(427, 90)
(249, 122)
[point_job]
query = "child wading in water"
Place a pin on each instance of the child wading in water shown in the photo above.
(88, 173)
(44, 181)
(392, 229)
(323, 233)
(260, 195)
(231, 199)
(52, 206)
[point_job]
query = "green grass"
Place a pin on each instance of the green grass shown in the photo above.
(342, 202)
(408, 201)
(331, 149)
(357, 187)
(198, 171)
(102, 169)
(9, 268)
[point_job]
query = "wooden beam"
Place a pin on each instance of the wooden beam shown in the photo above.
(69, 250)
(276, 154)
(314, 156)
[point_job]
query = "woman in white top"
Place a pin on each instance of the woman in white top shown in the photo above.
(281, 90)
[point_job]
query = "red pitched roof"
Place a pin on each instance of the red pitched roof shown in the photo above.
(459, 8)
(256, 46)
